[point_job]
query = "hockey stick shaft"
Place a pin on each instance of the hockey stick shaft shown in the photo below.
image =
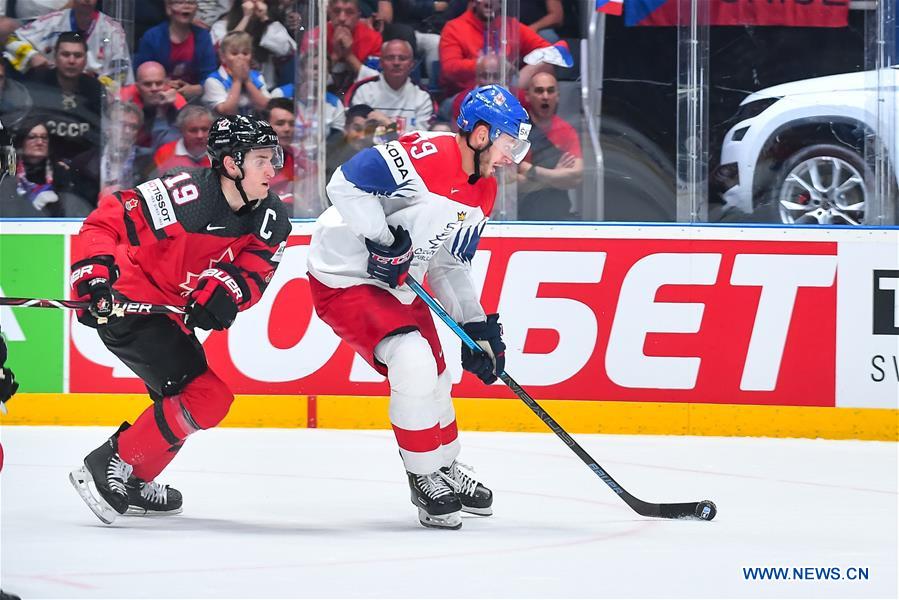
(128, 308)
(648, 509)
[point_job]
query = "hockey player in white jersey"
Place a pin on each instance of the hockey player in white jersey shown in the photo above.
(418, 206)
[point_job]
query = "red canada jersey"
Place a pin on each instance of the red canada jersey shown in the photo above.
(165, 233)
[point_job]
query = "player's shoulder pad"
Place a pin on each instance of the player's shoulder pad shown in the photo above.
(271, 221)
(383, 169)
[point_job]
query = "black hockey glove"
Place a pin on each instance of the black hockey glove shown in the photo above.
(213, 304)
(390, 264)
(8, 384)
(92, 280)
(492, 361)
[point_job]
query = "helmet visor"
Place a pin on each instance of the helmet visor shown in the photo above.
(512, 148)
(260, 155)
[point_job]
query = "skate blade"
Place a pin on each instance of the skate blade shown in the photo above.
(80, 479)
(451, 520)
(137, 511)
(483, 512)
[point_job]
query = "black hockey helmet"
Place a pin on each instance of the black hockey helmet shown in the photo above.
(7, 154)
(235, 135)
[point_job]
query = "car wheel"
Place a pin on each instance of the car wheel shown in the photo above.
(824, 184)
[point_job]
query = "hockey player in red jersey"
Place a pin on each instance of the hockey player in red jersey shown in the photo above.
(418, 205)
(208, 238)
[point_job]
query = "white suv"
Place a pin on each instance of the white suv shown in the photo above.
(801, 147)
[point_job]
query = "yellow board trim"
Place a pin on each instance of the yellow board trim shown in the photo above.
(474, 414)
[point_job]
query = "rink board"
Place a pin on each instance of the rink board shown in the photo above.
(616, 328)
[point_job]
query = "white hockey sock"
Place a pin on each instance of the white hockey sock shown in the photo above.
(412, 373)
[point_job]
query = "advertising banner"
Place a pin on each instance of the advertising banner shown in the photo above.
(659, 320)
(741, 316)
(34, 266)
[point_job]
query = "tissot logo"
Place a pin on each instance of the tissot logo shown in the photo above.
(886, 302)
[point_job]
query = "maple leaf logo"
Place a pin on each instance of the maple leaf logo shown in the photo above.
(191, 282)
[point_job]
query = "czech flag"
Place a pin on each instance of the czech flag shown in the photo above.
(795, 13)
(558, 54)
(638, 10)
(610, 7)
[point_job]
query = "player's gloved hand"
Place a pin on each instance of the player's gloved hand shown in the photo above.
(390, 264)
(213, 303)
(492, 361)
(8, 385)
(92, 280)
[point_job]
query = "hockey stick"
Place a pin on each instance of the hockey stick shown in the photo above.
(704, 510)
(119, 308)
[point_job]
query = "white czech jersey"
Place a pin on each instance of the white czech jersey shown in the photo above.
(107, 50)
(417, 182)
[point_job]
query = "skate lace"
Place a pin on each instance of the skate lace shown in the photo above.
(154, 492)
(433, 485)
(460, 479)
(117, 473)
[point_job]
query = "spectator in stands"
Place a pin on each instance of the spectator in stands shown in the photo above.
(15, 101)
(188, 150)
(28, 10)
(427, 18)
(542, 16)
(350, 40)
(555, 162)
(68, 100)
(280, 115)
(43, 179)
(306, 95)
(210, 11)
(235, 88)
(361, 123)
(478, 32)
(121, 165)
(160, 104)
(392, 93)
(31, 46)
(183, 49)
(271, 43)
(487, 71)
(292, 18)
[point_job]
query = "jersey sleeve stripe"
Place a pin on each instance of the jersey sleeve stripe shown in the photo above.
(130, 227)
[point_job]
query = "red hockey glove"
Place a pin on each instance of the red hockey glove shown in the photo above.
(213, 304)
(92, 280)
(390, 264)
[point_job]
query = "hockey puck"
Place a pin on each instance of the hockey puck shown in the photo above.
(706, 510)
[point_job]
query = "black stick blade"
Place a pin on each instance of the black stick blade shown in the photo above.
(699, 511)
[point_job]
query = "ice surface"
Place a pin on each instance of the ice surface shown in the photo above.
(326, 513)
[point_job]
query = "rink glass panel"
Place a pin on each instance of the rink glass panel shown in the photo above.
(657, 108)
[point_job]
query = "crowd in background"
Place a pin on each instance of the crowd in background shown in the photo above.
(394, 66)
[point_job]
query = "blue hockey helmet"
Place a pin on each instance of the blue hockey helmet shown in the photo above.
(498, 108)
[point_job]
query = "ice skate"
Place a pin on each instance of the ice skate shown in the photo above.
(437, 504)
(106, 470)
(476, 498)
(148, 498)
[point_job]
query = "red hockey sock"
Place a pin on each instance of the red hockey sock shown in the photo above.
(145, 442)
(153, 466)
